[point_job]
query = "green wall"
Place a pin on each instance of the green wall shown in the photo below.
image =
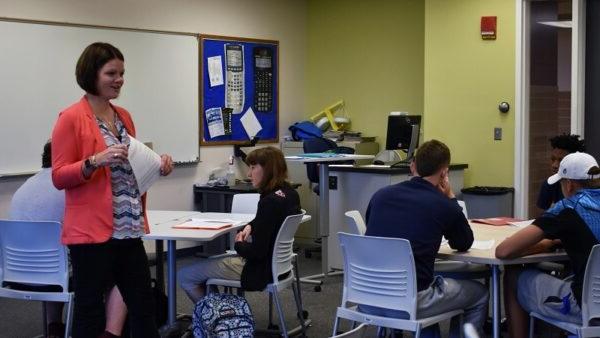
(465, 80)
(368, 53)
(425, 57)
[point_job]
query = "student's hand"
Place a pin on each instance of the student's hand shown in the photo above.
(243, 235)
(444, 185)
(166, 164)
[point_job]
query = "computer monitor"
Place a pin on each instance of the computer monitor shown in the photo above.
(403, 133)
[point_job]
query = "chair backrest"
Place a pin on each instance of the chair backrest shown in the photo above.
(316, 145)
(379, 271)
(245, 203)
(33, 254)
(284, 244)
(357, 332)
(463, 205)
(355, 222)
(590, 297)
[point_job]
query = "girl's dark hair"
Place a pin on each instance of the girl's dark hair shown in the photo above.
(93, 58)
(274, 167)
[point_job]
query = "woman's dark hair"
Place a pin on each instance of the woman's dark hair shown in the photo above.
(432, 156)
(570, 143)
(47, 155)
(274, 167)
(93, 58)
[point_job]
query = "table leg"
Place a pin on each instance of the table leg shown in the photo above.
(323, 226)
(172, 277)
(496, 301)
(160, 268)
(324, 214)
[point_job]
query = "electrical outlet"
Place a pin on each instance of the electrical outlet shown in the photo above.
(497, 134)
(332, 182)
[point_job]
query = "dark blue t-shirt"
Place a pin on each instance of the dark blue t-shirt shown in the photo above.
(418, 211)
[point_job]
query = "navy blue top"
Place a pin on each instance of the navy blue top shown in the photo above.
(549, 194)
(418, 211)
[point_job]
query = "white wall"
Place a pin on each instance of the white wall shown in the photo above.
(283, 20)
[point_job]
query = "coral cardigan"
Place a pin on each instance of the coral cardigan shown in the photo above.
(88, 202)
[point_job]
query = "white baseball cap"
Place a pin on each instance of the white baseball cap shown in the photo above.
(575, 166)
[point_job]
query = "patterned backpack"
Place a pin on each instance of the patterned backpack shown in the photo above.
(223, 316)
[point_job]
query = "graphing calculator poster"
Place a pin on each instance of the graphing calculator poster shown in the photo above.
(240, 76)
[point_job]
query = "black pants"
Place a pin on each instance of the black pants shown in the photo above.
(96, 267)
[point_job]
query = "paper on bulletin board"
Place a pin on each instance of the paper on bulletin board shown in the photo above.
(250, 123)
(214, 119)
(215, 70)
(145, 164)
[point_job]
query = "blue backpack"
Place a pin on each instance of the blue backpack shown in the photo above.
(305, 130)
(222, 316)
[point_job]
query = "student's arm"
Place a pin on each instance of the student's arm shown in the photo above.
(263, 228)
(525, 242)
(459, 234)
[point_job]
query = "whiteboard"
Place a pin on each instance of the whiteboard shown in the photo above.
(37, 81)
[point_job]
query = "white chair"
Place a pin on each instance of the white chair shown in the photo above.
(355, 222)
(375, 280)
(463, 205)
(34, 259)
(590, 302)
(357, 332)
(245, 203)
(283, 275)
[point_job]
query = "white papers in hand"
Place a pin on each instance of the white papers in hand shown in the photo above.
(145, 164)
(215, 70)
(483, 245)
(250, 123)
(522, 224)
(214, 119)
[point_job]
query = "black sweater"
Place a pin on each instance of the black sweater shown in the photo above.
(273, 208)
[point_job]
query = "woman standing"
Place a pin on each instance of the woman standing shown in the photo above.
(254, 244)
(105, 214)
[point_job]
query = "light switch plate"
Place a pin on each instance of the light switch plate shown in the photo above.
(497, 134)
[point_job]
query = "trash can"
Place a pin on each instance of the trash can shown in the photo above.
(484, 202)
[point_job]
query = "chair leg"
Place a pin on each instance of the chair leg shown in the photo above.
(270, 310)
(299, 307)
(335, 325)
(418, 332)
(531, 323)
(282, 328)
(297, 274)
(69, 321)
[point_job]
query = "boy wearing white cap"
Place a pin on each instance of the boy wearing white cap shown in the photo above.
(573, 221)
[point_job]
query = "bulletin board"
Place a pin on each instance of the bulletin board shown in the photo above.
(239, 90)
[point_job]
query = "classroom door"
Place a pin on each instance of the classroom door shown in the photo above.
(552, 87)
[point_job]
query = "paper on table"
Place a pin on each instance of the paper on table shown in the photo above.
(483, 245)
(145, 164)
(202, 224)
(214, 119)
(522, 224)
(215, 70)
(250, 123)
(220, 220)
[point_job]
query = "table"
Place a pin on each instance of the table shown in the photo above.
(498, 234)
(161, 222)
(324, 201)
